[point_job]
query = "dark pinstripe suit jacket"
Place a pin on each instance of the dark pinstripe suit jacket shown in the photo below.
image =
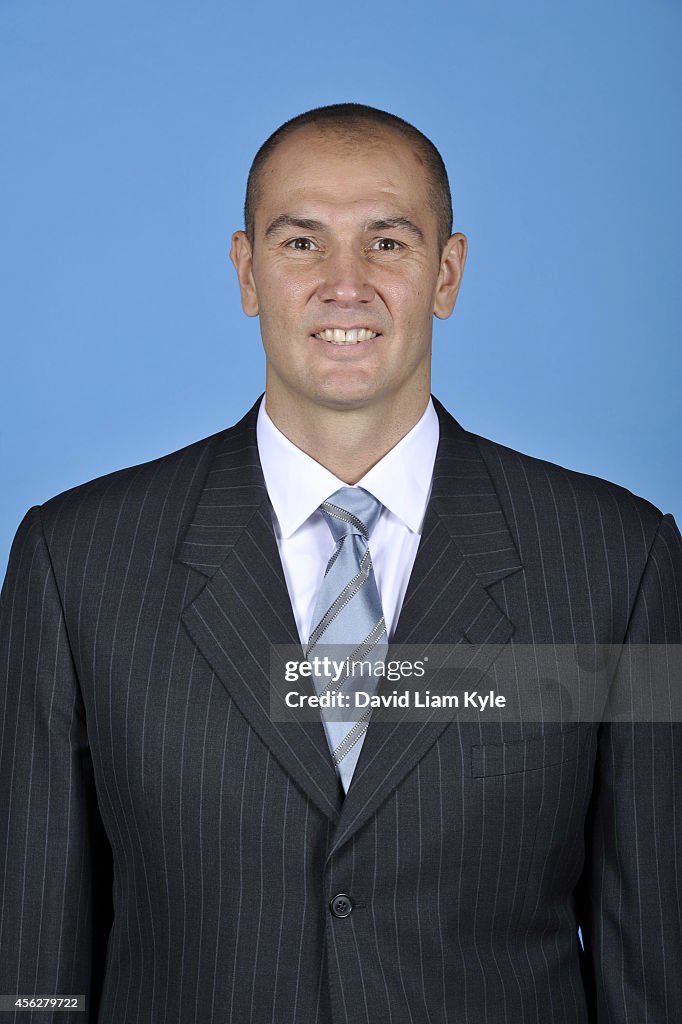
(171, 852)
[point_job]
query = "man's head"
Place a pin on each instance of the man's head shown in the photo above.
(348, 220)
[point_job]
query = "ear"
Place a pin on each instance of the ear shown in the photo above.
(242, 258)
(451, 270)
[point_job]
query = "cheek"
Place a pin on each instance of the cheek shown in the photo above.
(407, 291)
(408, 303)
(284, 294)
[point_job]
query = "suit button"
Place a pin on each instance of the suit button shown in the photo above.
(341, 905)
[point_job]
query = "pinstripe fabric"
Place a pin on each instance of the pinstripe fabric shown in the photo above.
(171, 852)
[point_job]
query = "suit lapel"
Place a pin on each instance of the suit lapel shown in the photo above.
(466, 548)
(244, 606)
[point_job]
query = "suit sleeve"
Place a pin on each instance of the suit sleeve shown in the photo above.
(55, 866)
(630, 895)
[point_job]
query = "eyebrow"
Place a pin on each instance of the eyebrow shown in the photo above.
(286, 220)
(393, 223)
(306, 224)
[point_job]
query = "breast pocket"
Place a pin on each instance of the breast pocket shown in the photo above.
(551, 748)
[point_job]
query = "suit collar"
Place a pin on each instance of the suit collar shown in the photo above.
(243, 607)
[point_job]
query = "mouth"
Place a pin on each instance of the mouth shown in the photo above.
(339, 336)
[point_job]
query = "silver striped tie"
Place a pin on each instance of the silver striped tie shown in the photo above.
(348, 612)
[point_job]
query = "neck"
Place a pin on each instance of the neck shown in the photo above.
(347, 442)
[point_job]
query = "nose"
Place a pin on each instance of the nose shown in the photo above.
(345, 279)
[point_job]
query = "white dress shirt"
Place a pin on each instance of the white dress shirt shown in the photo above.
(297, 485)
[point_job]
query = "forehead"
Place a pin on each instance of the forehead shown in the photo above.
(363, 172)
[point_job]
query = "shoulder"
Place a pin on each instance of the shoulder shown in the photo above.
(139, 487)
(143, 506)
(549, 494)
(169, 478)
(543, 498)
(106, 519)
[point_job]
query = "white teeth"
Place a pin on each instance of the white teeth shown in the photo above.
(337, 336)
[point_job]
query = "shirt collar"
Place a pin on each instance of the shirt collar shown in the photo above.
(297, 484)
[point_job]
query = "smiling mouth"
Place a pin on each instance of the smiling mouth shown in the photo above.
(337, 336)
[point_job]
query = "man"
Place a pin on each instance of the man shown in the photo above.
(175, 853)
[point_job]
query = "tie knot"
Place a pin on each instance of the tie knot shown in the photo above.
(351, 510)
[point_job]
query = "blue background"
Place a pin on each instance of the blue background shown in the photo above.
(127, 134)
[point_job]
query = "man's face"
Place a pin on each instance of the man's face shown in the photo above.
(346, 238)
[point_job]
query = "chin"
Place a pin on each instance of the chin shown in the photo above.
(346, 397)
(345, 404)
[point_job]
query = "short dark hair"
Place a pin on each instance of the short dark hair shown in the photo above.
(344, 118)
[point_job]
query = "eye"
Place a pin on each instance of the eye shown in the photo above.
(300, 244)
(387, 245)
